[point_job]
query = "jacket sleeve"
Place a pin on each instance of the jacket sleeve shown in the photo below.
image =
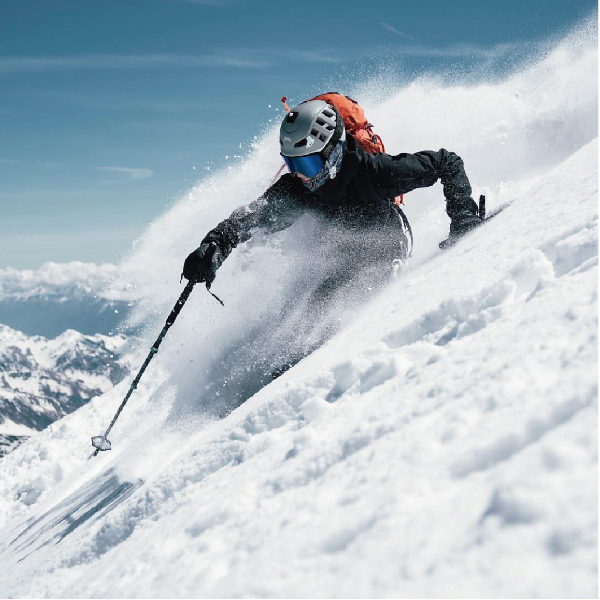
(394, 175)
(275, 210)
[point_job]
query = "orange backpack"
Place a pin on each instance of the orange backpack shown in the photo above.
(354, 120)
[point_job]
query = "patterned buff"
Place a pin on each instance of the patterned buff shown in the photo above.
(329, 171)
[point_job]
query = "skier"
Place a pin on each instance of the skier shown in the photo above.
(333, 177)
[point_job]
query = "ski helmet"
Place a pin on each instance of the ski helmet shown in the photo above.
(310, 128)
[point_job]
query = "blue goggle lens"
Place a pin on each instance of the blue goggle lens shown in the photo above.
(308, 165)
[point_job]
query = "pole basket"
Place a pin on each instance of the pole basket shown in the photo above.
(101, 443)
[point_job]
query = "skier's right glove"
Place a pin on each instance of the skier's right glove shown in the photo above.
(202, 264)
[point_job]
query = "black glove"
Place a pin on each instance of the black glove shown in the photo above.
(202, 264)
(462, 222)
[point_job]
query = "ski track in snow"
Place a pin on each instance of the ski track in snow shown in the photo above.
(442, 443)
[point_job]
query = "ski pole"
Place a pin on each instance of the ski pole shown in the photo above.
(101, 442)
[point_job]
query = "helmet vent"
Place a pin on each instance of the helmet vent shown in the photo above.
(328, 113)
(301, 143)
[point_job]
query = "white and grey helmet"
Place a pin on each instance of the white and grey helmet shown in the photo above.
(311, 127)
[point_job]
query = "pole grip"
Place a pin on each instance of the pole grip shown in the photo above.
(179, 304)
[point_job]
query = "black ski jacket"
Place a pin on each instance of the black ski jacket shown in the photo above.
(360, 196)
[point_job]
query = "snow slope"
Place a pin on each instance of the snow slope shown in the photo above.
(441, 442)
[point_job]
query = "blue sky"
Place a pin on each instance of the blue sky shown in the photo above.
(107, 105)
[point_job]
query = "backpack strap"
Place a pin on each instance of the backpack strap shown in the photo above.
(376, 138)
(404, 219)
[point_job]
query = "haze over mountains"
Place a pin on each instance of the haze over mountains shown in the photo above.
(56, 297)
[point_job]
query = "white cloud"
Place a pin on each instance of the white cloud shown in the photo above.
(323, 56)
(464, 51)
(459, 50)
(20, 250)
(116, 103)
(133, 173)
(397, 31)
(240, 58)
(42, 64)
(52, 278)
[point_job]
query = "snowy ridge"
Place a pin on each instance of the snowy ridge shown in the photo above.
(441, 441)
(42, 380)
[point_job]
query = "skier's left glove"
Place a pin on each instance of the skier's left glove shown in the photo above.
(202, 264)
(462, 222)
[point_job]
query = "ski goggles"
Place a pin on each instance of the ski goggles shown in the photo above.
(308, 165)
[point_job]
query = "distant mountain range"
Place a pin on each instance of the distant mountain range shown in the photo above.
(56, 297)
(41, 380)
